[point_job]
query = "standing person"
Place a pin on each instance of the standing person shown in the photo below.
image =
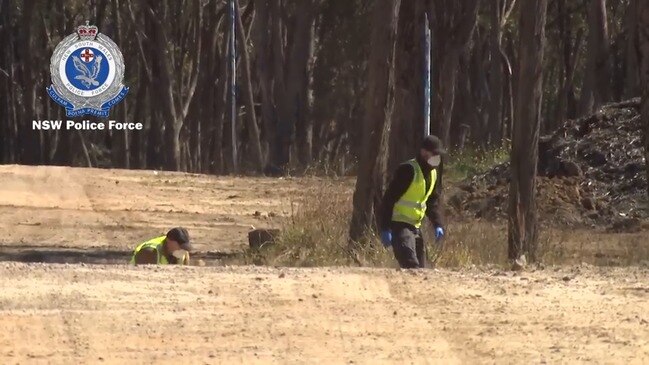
(414, 192)
(172, 248)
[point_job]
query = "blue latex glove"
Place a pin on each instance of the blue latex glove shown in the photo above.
(386, 238)
(439, 233)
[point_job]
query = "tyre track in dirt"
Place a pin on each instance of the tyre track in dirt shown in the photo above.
(326, 315)
(579, 313)
(26, 192)
(63, 207)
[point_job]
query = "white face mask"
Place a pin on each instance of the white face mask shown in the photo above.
(434, 161)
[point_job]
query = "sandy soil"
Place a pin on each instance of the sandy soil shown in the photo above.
(116, 314)
(62, 207)
(63, 314)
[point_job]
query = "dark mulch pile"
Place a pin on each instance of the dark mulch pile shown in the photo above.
(591, 172)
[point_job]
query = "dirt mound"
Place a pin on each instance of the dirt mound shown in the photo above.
(591, 172)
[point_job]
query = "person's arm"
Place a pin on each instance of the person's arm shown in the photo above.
(181, 257)
(146, 257)
(400, 182)
(434, 202)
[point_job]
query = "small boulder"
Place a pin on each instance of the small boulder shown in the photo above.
(260, 237)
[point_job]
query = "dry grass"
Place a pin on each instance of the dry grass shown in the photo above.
(568, 247)
(470, 243)
(317, 234)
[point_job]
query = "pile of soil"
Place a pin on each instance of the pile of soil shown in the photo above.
(591, 172)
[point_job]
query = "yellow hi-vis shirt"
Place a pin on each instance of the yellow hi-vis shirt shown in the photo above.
(155, 244)
(411, 207)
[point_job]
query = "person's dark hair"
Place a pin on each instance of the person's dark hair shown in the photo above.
(433, 144)
(180, 235)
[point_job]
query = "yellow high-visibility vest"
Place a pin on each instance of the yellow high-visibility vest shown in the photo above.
(411, 207)
(155, 244)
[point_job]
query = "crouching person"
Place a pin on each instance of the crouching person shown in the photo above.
(172, 248)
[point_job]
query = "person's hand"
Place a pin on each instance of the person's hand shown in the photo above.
(386, 238)
(181, 256)
(439, 233)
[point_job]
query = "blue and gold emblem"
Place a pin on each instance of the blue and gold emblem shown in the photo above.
(87, 73)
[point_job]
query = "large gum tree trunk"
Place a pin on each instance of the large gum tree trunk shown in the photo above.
(378, 113)
(523, 236)
(643, 39)
(453, 25)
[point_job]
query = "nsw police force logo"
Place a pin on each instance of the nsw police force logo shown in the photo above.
(87, 73)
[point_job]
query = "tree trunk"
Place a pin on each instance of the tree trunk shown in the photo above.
(632, 83)
(377, 120)
(290, 82)
(28, 141)
(164, 89)
(120, 151)
(454, 24)
(137, 143)
(208, 85)
(597, 79)
(264, 68)
(221, 119)
(506, 127)
(154, 141)
(7, 104)
(304, 127)
(523, 237)
(443, 106)
(643, 39)
(465, 105)
(177, 68)
(251, 119)
(566, 97)
(284, 132)
(408, 122)
(496, 74)
(477, 93)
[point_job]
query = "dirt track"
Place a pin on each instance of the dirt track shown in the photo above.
(62, 207)
(111, 314)
(66, 314)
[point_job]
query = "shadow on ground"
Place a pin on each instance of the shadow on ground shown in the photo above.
(92, 256)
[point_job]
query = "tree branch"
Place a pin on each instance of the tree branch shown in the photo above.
(139, 35)
(196, 69)
(507, 13)
(467, 24)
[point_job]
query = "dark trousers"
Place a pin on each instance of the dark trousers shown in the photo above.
(408, 246)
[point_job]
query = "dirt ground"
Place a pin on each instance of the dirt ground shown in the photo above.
(61, 208)
(81, 313)
(64, 314)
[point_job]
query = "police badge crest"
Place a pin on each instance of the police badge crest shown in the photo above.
(87, 71)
